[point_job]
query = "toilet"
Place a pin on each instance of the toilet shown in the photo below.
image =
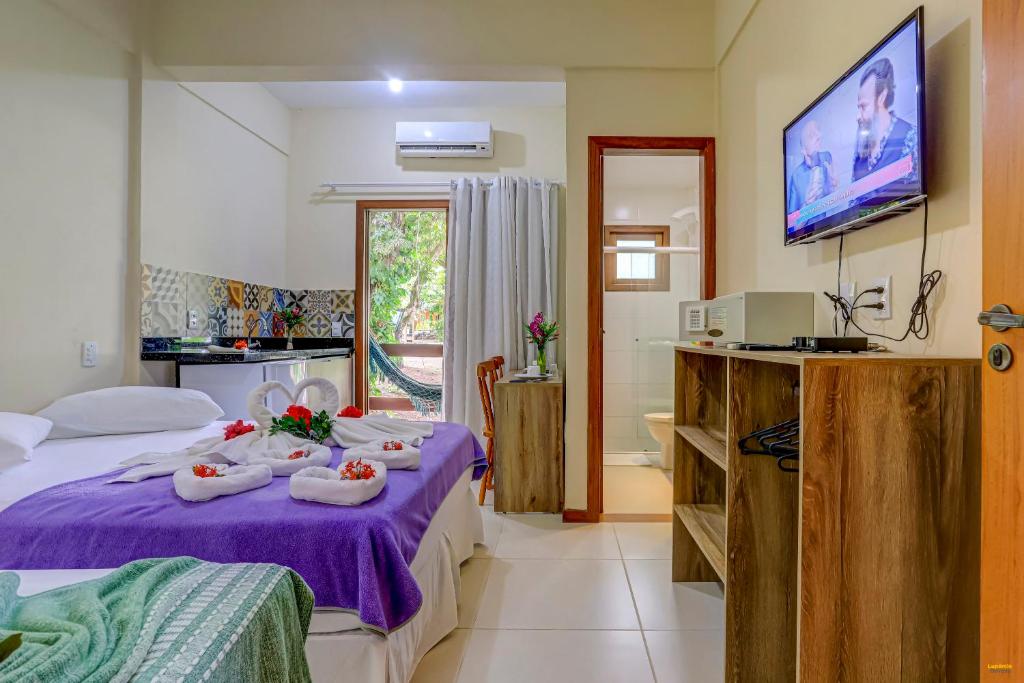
(660, 425)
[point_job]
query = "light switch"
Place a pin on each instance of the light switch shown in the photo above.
(336, 329)
(90, 350)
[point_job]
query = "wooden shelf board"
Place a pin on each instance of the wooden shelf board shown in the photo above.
(707, 440)
(799, 358)
(706, 524)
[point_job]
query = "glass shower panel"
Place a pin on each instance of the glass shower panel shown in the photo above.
(641, 328)
(658, 331)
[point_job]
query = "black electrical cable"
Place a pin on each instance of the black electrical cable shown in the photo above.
(838, 303)
(919, 323)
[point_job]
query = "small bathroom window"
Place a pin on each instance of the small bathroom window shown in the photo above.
(626, 270)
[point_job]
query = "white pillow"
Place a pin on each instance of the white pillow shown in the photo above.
(19, 434)
(129, 410)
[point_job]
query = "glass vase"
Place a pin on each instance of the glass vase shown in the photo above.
(542, 359)
(289, 345)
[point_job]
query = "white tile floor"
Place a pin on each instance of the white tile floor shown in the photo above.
(643, 490)
(545, 601)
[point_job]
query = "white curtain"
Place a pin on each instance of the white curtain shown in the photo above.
(502, 269)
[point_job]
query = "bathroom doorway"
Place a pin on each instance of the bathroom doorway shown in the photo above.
(651, 263)
(651, 246)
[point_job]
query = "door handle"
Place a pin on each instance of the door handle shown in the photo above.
(1000, 318)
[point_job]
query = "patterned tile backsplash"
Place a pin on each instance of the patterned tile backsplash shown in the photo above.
(223, 306)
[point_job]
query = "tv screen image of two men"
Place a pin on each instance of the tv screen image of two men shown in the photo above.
(858, 148)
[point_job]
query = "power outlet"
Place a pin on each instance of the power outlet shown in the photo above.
(848, 291)
(885, 298)
(90, 351)
(336, 329)
(193, 320)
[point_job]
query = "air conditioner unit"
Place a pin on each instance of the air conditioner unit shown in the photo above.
(444, 139)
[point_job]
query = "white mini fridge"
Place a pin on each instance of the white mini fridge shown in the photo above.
(229, 384)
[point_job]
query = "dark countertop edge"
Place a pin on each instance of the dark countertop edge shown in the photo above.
(193, 358)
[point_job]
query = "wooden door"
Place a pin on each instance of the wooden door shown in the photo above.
(1002, 563)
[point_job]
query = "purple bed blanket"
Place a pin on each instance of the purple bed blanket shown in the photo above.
(353, 558)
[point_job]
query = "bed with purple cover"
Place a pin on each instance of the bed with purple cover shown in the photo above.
(353, 558)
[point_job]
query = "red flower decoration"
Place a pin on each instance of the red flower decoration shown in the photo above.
(393, 445)
(355, 470)
(237, 428)
(241, 345)
(297, 454)
(300, 414)
(350, 411)
(205, 471)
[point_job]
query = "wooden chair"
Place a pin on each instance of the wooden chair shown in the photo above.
(487, 373)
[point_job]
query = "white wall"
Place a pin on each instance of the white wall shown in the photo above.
(64, 141)
(765, 81)
(640, 326)
(730, 16)
(116, 21)
(252, 107)
(611, 102)
(360, 40)
(358, 145)
(214, 179)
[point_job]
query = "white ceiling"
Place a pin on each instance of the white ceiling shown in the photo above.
(651, 171)
(346, 94)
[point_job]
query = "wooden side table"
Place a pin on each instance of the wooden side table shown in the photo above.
(529, 445)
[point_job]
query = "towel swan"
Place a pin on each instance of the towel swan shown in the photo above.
(260, 447)
(329, 398)
(256, 447)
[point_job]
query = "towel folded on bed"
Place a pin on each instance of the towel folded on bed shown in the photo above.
(260, 446)
(254, 447)
(286, 462)
(325, 485)
(349, 432)
(405, 458)
(163, 464)
(328, 400)
(229, 481)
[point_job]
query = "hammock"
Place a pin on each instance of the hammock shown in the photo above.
(426, 398)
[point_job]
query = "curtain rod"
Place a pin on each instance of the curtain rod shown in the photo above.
(651, 250)
(400, 184)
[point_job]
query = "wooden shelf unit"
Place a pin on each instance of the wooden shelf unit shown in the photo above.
(864, 565)
(706, 525)
(709, 442)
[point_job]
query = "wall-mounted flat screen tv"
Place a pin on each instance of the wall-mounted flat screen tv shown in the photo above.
(855, 156)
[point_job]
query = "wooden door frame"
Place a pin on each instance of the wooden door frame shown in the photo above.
(361, 303)
(598, 148)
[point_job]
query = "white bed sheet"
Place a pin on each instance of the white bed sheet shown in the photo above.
(338, 648)
(56, 461)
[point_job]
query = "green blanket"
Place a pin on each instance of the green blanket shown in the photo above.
(177, 619)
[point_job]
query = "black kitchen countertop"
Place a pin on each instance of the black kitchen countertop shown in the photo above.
(167, 350)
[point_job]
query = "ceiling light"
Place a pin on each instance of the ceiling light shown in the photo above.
(395, 84)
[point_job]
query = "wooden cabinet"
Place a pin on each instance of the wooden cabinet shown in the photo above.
(528, 445)
(864, 564)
